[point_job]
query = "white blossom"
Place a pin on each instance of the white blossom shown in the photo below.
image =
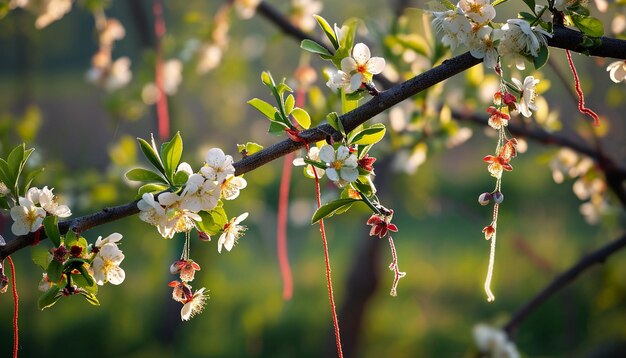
(194, 305)
(454, 26)
(361, 66)
(246, 8)
(338, 79)
(617, 71)
(313, 154)
(527, 95)
(479, 11)
(232, 232)
(106, 265)
(172, 76)
(112, 77)
(218, 165)
(483, 45)
(48, 203)
(177, 218)
(342, 165)
(111, 239)
(231, 187)
(520, 37)
(302, 12)
(494, 342)
(209, 57)
(27, 217)
(200, 194)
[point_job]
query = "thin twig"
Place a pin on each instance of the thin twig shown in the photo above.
(563, 280)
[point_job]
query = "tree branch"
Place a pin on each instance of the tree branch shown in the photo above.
(563, 280)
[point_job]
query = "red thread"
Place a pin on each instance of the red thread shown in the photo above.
(581, 98)
(162, 111)
(281, 230)
(15, 307)
(327, 259)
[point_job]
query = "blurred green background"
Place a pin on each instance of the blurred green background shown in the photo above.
(85, 139)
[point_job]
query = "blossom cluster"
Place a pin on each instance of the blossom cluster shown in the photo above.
(47, 11)
(340, 165)
(356, 70)
(494, 342)
(589, 186)
(111, 75)
(75, 268)
(175, 212)
(470, 24)
(33, 208)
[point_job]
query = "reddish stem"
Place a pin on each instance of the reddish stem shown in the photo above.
(15, 307)
(394, 267)
(281, 230)
(581, 98)
(162, 111)
(327, 259)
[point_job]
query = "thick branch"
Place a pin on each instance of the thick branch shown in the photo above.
(569, 39)
(563, 280)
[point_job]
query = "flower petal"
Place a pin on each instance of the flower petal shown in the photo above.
(349, 174)
(375, 65)
(332, 174)
(361, 53)
(348, 64)
(327, 153)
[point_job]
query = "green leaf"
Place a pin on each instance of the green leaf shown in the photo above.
(328, 30)
(277, 128)
(542, 57)
(333, 119)
(89, 280)
(5, 176)
(496, 3)
(265, 108)
(329, 209)
(578, 9)
(152, 188)
(171, 154)
(41, 257)
(527, 16)
(54, 271)
(213, 221)
(530, 4)
(4, 204)
(144, 175)
(588, 25)
(30, 177)
(451, 6)
(151, 154)
(52, 230)
(267, 79)
(90, 297)
(370, 135)
(180, 178)
(71, 238)
(283, 87)
(249, 148)
(49, 298)
(302, 117)
(14, 162)
(314, 47)
(289, 104)
(80, 281)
